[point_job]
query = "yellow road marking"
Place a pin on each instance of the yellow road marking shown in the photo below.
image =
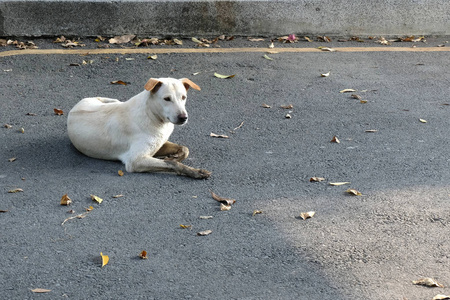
(214, 50)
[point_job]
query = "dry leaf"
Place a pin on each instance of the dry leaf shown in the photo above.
(119, 82)
(3, 211)
(335, 140)
(371, 130)
(355, 96)
(22, 130)
(353, 192)
(307, 215)
(15, 190)
(205, 232)
(363, 101)
(223, 136)
(266, 105)
(12, 159)
(316, 179)
(307, 39)
(256, 212)
(271, 46)
(120, 172)
(65, 200)
(7, 126)
(267, 57)
(347, 91)
(122, 39)
(177, 42)
(117, 196)
(105, 259)
(90, 208)
(325, 74)
(224, 207)
(430, 282)
(96, 199)
(40, 290)
(58, 112)
(338, 183)
(441, 297)
(206, 217)
(327, 49)
(290, 106)
(255, 40)
(288, 116)
(383, 41)
(226, 201)
(153, 57)
(186, 226)
(224, 76)
(422, 120)
(143, 254)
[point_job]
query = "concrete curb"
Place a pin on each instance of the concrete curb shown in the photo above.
(209, 18)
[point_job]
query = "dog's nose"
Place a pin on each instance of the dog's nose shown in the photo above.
(182, 118)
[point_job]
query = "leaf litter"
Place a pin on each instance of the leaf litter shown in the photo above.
(307, 215)
(429, 282)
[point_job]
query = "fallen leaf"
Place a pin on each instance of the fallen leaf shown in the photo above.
(119, 82)
(120, 172)
(206, 217)
(99, 39)
(15, 190)
(338, 183)
(105, 259)
(58, 112)
(143, 254)
(363, 101)
(383, 41)
(256, 212)
(335, 140)
(271, 46)
(441, 297)
(71, 211)
(422, 120)
(266, 105)
(65, 200)
(240, 125)
(267, 57)
(224, 207)
(96, 199)
(22, 130)
(307, 215)
(153, 57)
(327, 49)
(288, 116)
(371, 130)
(30, 114)
(223, 136)
(90, 208)
(122, 39)
(223, 76)
(226, 201)
(307, 39)
(186, 226)
(353, 192)
(355, 96)
(117, 196)
(289, 106)
(324, 39)
(7, 126)
(12, 159)
(325, 74)
(316, 179)
(205, 232)
(3, 211)
(430, 282)
(255, 40)
(177, 42)
(40, 290)
(347, 91)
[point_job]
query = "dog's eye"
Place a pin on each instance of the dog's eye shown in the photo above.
(183, 97)
(167, 98)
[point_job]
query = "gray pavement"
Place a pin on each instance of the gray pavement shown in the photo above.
(355, 247)
(215, 17)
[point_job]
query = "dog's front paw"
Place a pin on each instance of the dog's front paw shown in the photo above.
(203, 174)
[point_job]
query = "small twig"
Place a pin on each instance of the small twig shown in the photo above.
(80, 216)
(242, 123)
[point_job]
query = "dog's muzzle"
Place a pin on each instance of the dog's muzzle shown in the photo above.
(182, 119)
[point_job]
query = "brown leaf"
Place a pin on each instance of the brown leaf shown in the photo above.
(119, 82)
(353, 192)
(325, 74)
(15, 190)
(430, 282)
(223, 136)
(335, 140)
(117, 196)
(441, 297)
(288, 116)
(256, 212)
(355, 96)
(12, 159)
(143, 254)
(371, 130)
(120, 172)
(65, 200)
(266, 105)
(40, 290)
(7, 126)
(308, 39)
(316, 179)
(58, 112)
(347, 91)
(204, 232)
(61, 39)
(307, 215)
(225, 201)
(3, 211)
(122, 39)
(289, 106)
(224, 207)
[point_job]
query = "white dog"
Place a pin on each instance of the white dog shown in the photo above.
(136, 132)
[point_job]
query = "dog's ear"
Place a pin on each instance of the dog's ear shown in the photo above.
(153, 85)
(187, 84)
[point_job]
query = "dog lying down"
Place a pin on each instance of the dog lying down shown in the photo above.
(136, 132)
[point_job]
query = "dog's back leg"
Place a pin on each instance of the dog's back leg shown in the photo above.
(172, 151)
(147, 163)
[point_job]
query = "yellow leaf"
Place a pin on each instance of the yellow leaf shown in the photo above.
(255, 212)
(186, 226)
(338, 183)
(152, 57)
(307, 215)
(224, 76)
(96, 199)
(422, 120)
(105, 259)
(65, 200)
(353, 192)
(267, 57)
(120, 172)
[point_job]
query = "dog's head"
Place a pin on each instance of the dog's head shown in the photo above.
(169, 95)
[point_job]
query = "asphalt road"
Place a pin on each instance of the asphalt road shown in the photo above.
(355, 247)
